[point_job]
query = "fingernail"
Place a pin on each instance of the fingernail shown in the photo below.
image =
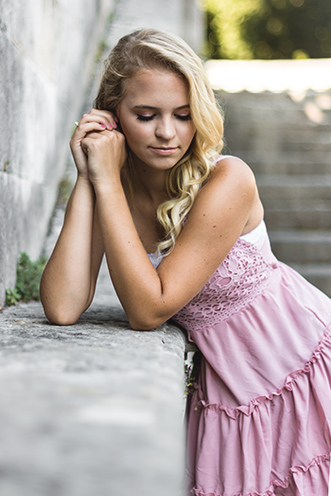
(110, 126)
(104, 127)
(115, 125)
(116, 120)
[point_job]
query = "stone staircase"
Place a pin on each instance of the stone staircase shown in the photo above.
(287, 142)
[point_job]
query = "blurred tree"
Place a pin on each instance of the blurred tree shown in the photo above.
(268, 29)
(224, 37)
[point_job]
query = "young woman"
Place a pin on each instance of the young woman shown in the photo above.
(183, 233)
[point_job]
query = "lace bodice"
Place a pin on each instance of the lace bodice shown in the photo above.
(242, 276)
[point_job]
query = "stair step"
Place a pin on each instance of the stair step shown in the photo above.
(297, 215)
(282, 187)
(301, 247)
(289, 163)
(303, 141)
(317, 274)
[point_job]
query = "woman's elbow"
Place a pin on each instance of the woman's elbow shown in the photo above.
(141, 325)
(60, 317)
(59, 321)
(146, 322)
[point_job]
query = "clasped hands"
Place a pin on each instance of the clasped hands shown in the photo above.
(98, 147)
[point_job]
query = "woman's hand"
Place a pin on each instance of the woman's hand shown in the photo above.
(106, 155)
(96, 121)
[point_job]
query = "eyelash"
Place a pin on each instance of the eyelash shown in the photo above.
(144, 118)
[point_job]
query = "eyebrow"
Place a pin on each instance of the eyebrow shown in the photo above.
(156, 108)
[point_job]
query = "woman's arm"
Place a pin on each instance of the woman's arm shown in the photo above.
(68, 282)
(221, 211)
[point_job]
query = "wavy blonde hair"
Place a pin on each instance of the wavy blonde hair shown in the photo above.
(153, 49)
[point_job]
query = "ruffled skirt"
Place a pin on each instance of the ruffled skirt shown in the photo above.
(278, 443)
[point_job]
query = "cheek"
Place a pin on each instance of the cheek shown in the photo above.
(134, 134)
(190, 133)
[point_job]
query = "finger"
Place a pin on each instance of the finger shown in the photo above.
(105, 113)
(100, 119)
(94, 118)
(84, 128)
(110, 116)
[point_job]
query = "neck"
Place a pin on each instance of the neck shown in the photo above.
(148, 183)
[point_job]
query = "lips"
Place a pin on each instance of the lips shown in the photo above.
(164, 150)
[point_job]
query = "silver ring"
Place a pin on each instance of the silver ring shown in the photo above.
(77, 125)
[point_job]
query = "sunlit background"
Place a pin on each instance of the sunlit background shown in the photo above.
(267, 29)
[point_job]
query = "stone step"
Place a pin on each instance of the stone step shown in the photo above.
(284, 163)
(275, 109)
(292, 139)
(307, 141)
(282, 124)
(290, 163)
(305, 187)
(301, 247)
(317, 274)
(297, 214)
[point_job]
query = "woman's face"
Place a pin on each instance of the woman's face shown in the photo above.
(155, 118)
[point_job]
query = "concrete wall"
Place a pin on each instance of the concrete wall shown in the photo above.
(47, 49)
(181, 17)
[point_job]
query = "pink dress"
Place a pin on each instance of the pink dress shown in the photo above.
(259, 419)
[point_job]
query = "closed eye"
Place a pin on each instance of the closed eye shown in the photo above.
(186, 117)
(145, 118)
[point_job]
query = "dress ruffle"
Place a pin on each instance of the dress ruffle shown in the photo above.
(319, 462)
(289, 384)
(287, 428)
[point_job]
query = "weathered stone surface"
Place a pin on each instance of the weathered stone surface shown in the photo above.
(47, 50)
(94, 408)
(181, 17)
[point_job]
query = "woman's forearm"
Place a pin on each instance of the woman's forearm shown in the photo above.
(135, 280)
(68, 278)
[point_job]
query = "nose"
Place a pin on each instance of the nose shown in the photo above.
(165, 129)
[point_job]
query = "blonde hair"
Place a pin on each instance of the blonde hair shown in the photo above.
(153, 49)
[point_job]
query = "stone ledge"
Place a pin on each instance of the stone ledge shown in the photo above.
(94, 408)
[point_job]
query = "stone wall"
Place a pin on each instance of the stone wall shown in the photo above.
(47, 50)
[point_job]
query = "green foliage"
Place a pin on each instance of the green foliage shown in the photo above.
(268, 29)
(28, 276)
(189, 380)
(12, 297)
(224, 18)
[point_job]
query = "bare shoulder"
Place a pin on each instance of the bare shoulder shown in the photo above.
(230, 188)
(232, 177)
(233, 168)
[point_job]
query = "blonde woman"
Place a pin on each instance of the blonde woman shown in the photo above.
(183, 233)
